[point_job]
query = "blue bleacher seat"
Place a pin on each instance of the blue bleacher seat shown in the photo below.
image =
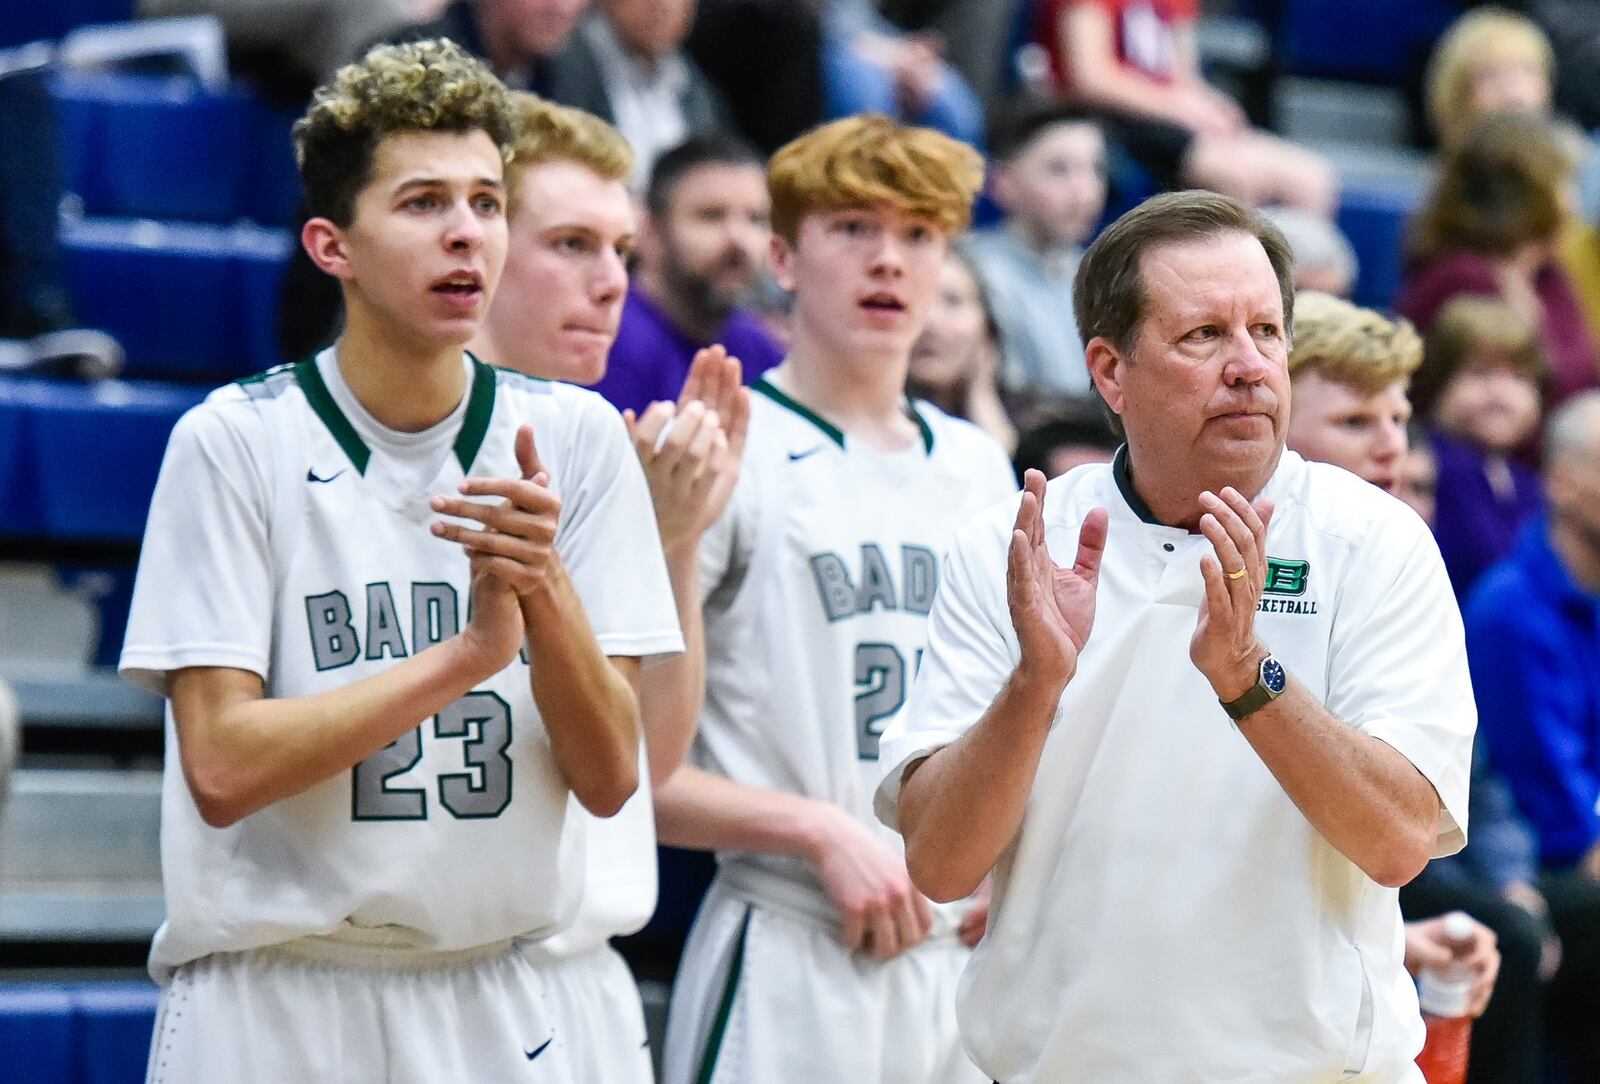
(115, 1023)
(185, 301)
(76, 1033)
(154, 147)
(1374, 218)
(37, 1033)
(144, 146)
(19, 514)
(95, 452)
(34, 20)
(1369, 40)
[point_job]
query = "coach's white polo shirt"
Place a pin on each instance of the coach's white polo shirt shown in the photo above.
(1165, 913)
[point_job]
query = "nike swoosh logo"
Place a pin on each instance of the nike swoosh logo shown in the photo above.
(311, 476)
(795, 457)
(531, 1054)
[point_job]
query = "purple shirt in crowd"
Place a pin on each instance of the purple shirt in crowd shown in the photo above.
(1476, 525)
(651, 356)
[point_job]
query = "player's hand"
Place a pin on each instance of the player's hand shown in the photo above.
(691, 450)
(881, 911)
(517, 544)
(1052, 608)
(495, 631)
(1224, 647)
(976, 921)
(1427, 946)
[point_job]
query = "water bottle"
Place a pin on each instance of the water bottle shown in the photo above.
(1444, 994)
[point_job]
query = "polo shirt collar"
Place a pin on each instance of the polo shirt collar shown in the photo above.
(1290, 465)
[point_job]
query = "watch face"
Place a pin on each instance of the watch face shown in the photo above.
(1273, 675)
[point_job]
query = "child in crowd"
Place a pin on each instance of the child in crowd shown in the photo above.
(1480, 389)
(1050, 180)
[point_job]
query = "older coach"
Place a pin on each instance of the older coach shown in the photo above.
(1202, 751)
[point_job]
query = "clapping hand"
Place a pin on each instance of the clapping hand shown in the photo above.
(1052, 608)
(690, 450)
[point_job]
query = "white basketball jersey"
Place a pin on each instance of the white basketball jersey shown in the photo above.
(289, 536)
(818, 580)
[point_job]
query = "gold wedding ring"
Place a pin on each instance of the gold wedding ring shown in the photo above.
(1235, 575)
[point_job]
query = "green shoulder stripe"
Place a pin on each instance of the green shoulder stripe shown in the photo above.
(777, 395)
(321, 401)
(480, 408)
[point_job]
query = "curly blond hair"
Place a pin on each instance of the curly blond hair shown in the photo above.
(547, 132)
(420, 86)
(1351, 345)
(872, 161)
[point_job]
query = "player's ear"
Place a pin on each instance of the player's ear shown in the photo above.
(782, 258)
(325, 244)
(1105, 363)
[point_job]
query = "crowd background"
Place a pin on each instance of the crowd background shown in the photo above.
(1432, 160)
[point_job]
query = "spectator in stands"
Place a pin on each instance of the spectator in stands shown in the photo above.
(1137, 60)
(1490, 226)
(627, 57)
(1479, 388)
(1068, 434)
(977, 37)
(954, 360)
(701, 252)
(315, 37)
(1324, 259)
(522, 40)
(1489, 61)
(1533, 642)
(766, 58)
(1049, 179)
(870, 66)
(1349, 367)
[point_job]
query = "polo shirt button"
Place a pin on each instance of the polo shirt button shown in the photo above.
(1168, 546)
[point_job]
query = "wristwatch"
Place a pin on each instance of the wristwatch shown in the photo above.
(1271, 678)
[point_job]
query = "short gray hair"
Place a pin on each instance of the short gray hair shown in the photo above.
(1574, 429)
(1316, 243)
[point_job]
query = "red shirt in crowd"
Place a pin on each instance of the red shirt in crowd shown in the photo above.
(1145, 33)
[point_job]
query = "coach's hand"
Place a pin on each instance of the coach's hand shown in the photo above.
(880, 910)
(518, 542)
(1052, 608)
(1224, 647)
(691, 450)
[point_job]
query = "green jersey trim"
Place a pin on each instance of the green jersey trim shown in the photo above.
(777, 395)
(480, 408)
(832, 432)
(320, 399)
(719, 1024)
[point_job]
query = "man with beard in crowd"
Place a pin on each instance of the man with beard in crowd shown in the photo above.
(702, 250)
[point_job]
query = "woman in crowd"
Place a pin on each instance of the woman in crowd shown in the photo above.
(956, 358)
(1491, 227)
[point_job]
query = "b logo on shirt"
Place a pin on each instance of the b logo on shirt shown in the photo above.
(1286, 577)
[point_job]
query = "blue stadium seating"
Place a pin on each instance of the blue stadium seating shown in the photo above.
(75, 438)
(76, 1033)
(33, 20)
(140, 146)
(1374, 218)
(185, 301)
